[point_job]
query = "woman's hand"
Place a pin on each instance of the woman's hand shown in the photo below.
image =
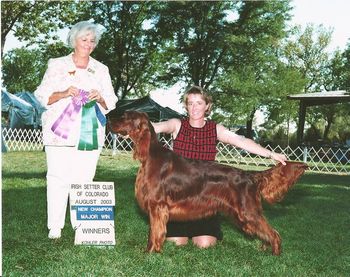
(95, 95)
(56, 96)
(71, 91)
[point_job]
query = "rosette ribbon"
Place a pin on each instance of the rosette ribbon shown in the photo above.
(89, 125)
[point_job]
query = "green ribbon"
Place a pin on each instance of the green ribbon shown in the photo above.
(88, 129)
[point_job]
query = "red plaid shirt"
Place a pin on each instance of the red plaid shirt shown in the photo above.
(196, 143)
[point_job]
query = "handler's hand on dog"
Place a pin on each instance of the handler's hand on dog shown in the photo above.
(279, 157)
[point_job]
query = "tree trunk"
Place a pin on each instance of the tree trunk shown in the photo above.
(249, 124)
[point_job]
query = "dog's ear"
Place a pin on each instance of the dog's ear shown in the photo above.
(140, 119)
(143, 138)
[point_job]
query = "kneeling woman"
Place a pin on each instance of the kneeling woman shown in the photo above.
(196, 138)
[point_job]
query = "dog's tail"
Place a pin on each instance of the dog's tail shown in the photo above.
(275, 182)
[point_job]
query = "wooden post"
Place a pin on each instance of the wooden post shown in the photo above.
(302, 112)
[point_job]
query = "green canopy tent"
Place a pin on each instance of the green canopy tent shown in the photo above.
(155, 111)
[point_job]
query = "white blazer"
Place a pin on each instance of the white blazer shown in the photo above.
(61, 74)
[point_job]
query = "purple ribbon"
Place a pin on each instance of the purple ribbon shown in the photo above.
(62, 125)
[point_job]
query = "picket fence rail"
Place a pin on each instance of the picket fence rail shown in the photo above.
(319, 159)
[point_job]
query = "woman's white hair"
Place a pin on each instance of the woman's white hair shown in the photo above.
(82, 28)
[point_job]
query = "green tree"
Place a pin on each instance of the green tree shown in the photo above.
(336, 76)
(308, 54)
(35, 22)
(321, 71)
(24, 68)
(333, 79)
(125, 47)
(254, 78)
(129, 47)
(335, 73)
(196, 34)
(346, 68)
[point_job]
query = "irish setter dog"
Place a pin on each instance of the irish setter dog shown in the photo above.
(170, 187)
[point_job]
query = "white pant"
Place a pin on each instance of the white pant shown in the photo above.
(66, 165)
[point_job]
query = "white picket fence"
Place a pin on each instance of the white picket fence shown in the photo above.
(326, 160)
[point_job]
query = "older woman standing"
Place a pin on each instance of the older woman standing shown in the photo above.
(196, 138)
(77, 92)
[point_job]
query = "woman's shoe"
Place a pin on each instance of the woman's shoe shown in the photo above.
(55, 233)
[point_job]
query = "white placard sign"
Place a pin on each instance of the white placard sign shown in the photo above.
(92, 213)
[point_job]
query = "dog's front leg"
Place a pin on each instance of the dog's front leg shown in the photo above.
(158, 216)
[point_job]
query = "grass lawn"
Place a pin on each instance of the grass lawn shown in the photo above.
(313, 221)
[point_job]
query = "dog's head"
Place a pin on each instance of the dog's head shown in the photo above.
(292, 170)
(130, 123)
(137, 126)
(275, 182)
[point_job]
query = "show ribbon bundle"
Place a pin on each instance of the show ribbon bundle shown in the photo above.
(89, 125)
